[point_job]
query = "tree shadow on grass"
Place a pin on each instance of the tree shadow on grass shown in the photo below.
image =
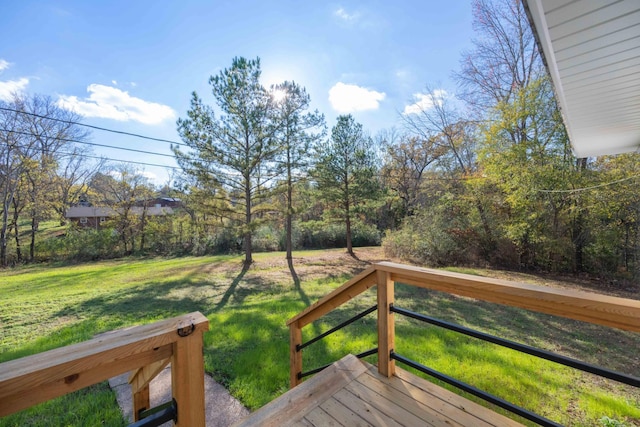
(296, 283)
(154, 301)
(232, 288)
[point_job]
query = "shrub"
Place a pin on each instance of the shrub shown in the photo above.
(82, 245)
(325, 235)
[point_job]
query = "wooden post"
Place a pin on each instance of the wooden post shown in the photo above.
(295, 339)
(141, 402)
(139, 380)
(33, 379)
(386, 327)
(187, 379)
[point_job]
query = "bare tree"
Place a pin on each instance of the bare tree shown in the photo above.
(505, 56)
(15, 146)
(122, 188)
(407, 160)
(74, 172)
(457, 138)
(53, 130)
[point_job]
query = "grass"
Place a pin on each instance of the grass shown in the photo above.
(246, 349)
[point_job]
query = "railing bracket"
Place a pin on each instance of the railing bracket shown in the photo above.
(158, 415)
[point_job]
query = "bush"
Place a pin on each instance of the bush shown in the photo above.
(422, 240)
(325, 235)
(81, 245)
(268, 239)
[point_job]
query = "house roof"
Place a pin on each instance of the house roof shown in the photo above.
(592, 51)
(89, 212)
(98, 211)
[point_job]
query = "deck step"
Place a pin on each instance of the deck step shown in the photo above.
(352, 393)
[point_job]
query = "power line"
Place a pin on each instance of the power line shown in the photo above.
(89, 156)
(87, 143)
(576, 190)
(93, 127)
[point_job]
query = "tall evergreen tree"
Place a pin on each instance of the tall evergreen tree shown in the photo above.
(345, 172)
(233, 153)
(298, 130)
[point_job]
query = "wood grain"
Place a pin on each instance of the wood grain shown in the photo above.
(30, 380)
(297, 402)
(386, 325)
(337, 297)
(585, 306)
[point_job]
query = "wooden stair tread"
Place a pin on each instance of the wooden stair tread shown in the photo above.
(352, 393)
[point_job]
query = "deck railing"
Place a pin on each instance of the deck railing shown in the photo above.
(144, 350)
(584, 306)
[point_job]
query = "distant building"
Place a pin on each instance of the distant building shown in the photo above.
(95, 216)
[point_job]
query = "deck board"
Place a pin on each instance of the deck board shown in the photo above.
(342, 412)
(352, 393)
(319, 417)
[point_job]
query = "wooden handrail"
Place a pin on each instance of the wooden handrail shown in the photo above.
(354, 287)
(34, 379)
(588, 307)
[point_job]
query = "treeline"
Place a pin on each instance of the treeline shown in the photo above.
(487, 178)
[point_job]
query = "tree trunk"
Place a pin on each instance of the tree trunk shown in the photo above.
(579, 231)
(32, 244)
(142, 226)
(489, 242)
(248, 247)
(289, 215)
(348, 226)
(16, 230)
(3, 236)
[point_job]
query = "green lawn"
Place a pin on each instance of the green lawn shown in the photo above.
(246, 350)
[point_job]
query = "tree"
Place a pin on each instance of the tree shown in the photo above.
(72, 178)
(234, 153)
(407, 160)
(505, 56)
(458, 140)
(345, 171)
(34, 130)
(298, 131)
(126, 191)
(537, 221)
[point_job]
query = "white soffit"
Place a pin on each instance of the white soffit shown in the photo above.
(592, 51)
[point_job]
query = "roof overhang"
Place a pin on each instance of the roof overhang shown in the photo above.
(592, 51)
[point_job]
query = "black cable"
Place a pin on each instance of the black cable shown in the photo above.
(93, 127)
(87, 143)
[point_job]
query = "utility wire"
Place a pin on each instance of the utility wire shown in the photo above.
(93, 127)
(89, 156)
(576, 190)
(88, 143)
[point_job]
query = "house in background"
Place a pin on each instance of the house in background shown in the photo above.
(96, 216)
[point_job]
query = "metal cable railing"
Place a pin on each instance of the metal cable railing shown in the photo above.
(544, 354)
(347, 322)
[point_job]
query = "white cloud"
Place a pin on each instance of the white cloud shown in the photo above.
(149, 175)
(346, 98)
(425, 101)
(112, 103)
(11, 87)
(115, 83)
(344, 15)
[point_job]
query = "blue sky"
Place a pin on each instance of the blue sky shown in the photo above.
(132, 65)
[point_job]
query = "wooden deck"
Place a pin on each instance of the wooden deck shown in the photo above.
(352, 393)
